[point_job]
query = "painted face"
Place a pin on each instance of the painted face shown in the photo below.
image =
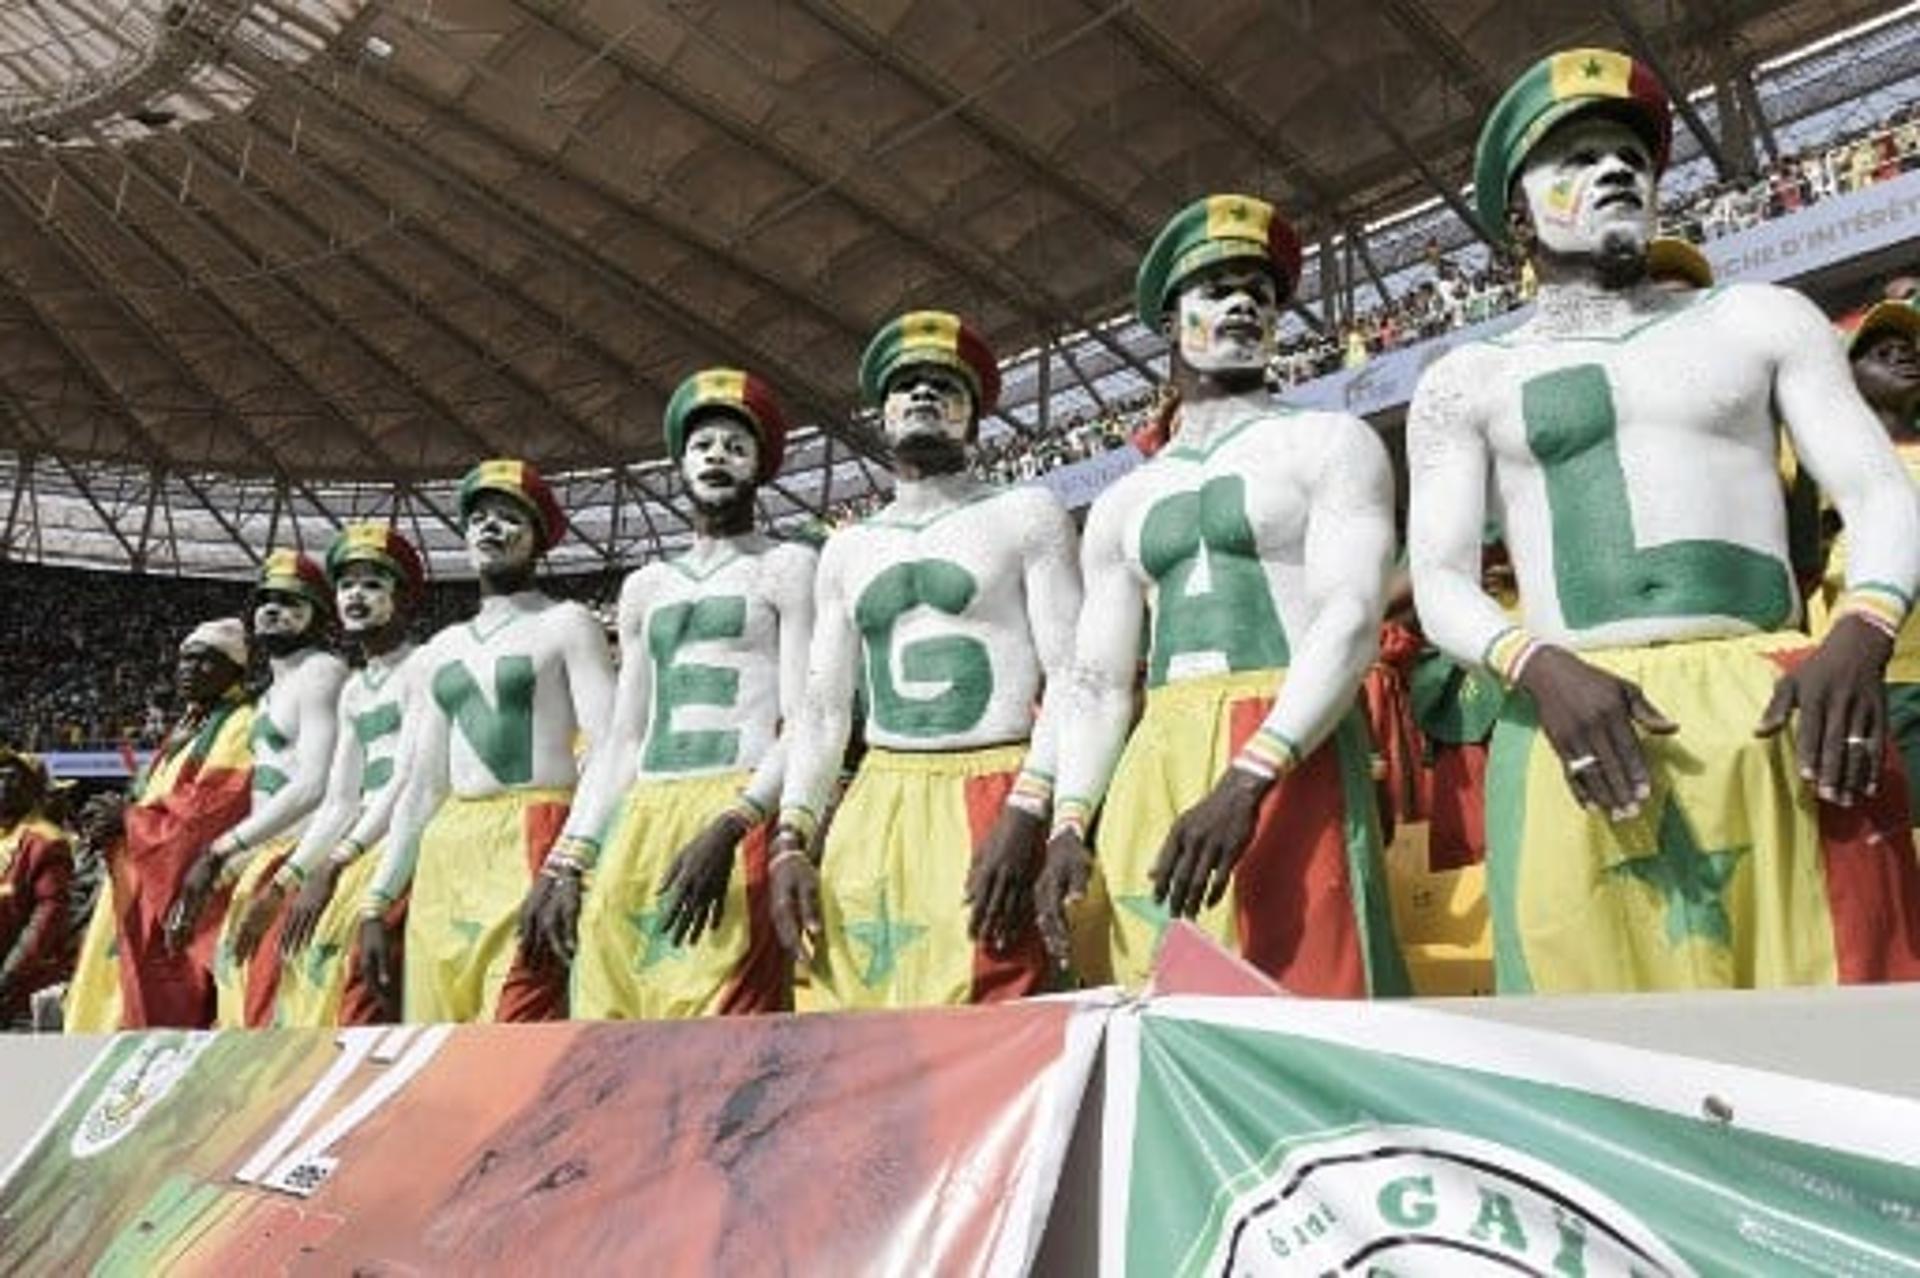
(499, 534)
(1226, 319)
(1590, 187)
(722, 458)
(365, 598)
(927, 401)
(281, 615)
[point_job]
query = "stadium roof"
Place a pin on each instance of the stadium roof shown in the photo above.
(275, 263)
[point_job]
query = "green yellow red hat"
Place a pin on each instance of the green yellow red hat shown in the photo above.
(296, 574)
(1670, 257)
(383, 546)
(1558, 86)
(1214, 228)
(931, 337)
(1881, 317)
(734, 391)
(521, 481)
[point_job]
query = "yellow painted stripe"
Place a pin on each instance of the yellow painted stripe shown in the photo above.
(938, 330)
(727, 385)
(1589, 73)
(1236, 217)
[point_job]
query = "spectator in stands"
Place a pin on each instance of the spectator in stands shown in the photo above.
(36, 860)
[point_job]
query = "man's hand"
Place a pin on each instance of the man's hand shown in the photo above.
(1062, 883)
(795, 887)
(382, 974)
(1841, 696)
(196, 889)
(1589, 717)
(550, 918)
(1196, 862)
(303, 917)
(695, 885)
(1000, 884)
(258, 919)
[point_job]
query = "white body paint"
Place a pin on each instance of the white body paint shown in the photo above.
(721, 458)
(572, 693)
(353, 808)
(300, 705)
(1697, 383)
(767, 659)
(1318, 498)
(1017, 546)
(1576, 181)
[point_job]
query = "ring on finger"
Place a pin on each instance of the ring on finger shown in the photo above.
(1580, 763)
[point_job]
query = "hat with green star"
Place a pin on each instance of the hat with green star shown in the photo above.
(1555, 88)
(1215, 228)
(743, 396)
(383, 546)
(931, 337)
(294, 573)
(521, 481)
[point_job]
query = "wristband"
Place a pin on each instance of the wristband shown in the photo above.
(787, 854)
(749, 812)
(289, 875)
(1072, 816)
(1032, 792)
(1509, 652)
(1880, 606)
(346, 852)
(375, 906)
(1267, 754)
(571, 854)
(801, 821)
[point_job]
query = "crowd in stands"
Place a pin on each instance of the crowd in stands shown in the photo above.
(88, 662)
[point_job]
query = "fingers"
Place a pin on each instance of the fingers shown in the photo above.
(1624, 767)
(1646, 716)
(1861, 762)
(1823, 738)
(1170, 870)
(1779, 706)
(564, 939)
(1051, 896)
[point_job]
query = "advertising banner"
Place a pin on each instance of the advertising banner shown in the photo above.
(1251, 1137)
(891, 1143)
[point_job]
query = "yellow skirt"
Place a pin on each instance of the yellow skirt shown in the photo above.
(625, 969)
(1732, 875)
(1308, 902)
(477, 859)
(246, 990)
(893, 881)
(314, 983)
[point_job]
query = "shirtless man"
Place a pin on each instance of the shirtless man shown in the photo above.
(716, 653)
(489, 770)
(952, 609)
(377, 578)
(292, 743)
(1253, 552)
(1627, 436)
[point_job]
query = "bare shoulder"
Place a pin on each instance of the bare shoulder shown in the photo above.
(1778, 316)
(787, 569)
(637, 583)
